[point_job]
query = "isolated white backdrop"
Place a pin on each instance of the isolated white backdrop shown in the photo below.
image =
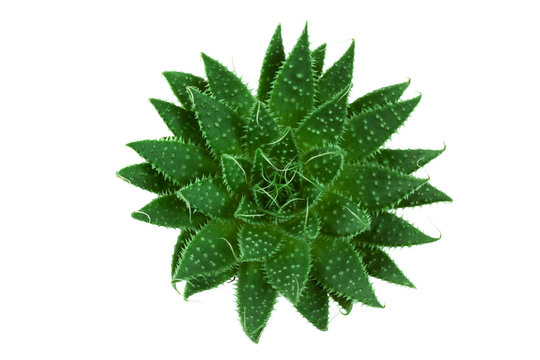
(81, 280)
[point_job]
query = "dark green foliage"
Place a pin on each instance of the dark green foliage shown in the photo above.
(290, 192)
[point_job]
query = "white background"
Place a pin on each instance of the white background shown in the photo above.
(80, 279)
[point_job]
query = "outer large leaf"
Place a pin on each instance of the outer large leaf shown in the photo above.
(379, 97)
(169, 211)
(313, 305)
(340, 216)
(337, 77)
(288, 269)
(368, 130)
(339, 268)
(212, 250)
(179, 82)
(179, 162)
(222, 127)
(257, 242)
(424, 195)
(375, 187)
(236, 172)
(145, 177)
(293, 92)
(317, 60)
(210, 196)
(345, 303)
(199, 284)
(325, 124)
(378, 264)
(390, 230)
(275, 55)
(255, 299)
(227, 87)
(407, 160)
(181, 122)
(181, 243)
(261, 130)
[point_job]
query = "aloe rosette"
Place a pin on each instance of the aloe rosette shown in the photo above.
(290, 192)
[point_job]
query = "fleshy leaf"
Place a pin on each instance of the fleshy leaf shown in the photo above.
(212, 250)
(257, 242)
(227, 87)
(340, 216)
(338, 267)
(405, 160)
(379, 97)
(261, 130)
(179, 82)
(317, 60)
(199, 284)
(378, 264)
(368, 130)
(389, 230)
(424, 195)
(179, 247)
(209, 196)
(169, 211)
(275, 55)
(179, 162)
(344, 303)
(324, 124)
(255, 299)
(375, 187)
(337, 77)
(305, 226)
(236, 172)
(181, 123)
(293, 92)
(323, 164)
(249, 212)
(221, 126)
(288, 269)
(284, 150)
(313, 305)
(145, 177)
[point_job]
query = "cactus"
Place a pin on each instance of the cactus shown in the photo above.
(290, 192)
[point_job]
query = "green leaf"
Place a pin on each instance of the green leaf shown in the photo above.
(337, 77)
(261, 164)
(379, 97)
(261, 130)
(273, 59)
(304, 226)
(257, 242)
(169, 211)
(375, 187)
(199, 284)
(146, 178)
(181, 122)
(181, 244)
(255, 299)
(343, 302)
(378, 264)
(209, 196)
(177, 161)
(293, 92)
(406, 160)
(236, 173)
(227, 87)
(284, 150)
(340, 216)
(288, 269)
(424, 195)
(249, 212)
(389, 230)
(222, 127)
(325, 124)
(179, 82)
(323, 164)
(368, 130)
(212, 250)
(317, 60)
(339, 268)
(313, 305)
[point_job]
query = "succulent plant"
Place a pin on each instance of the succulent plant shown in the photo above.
(290, 192)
